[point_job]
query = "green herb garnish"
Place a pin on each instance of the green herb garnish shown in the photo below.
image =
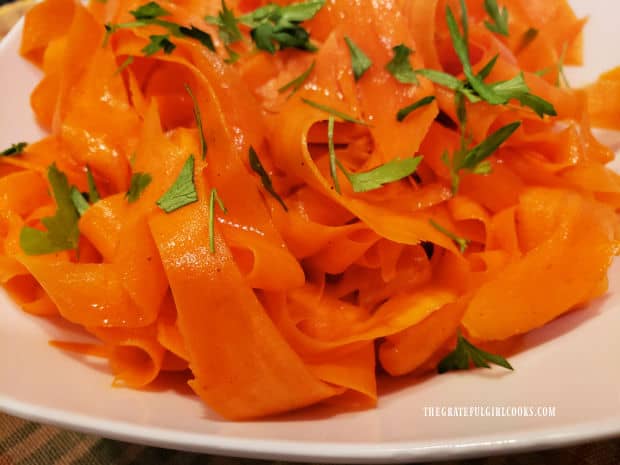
(333, 168)
(79, 202)
(183, 191)
(460, 241)
(227, 25)
(359, 61)
(62, 231)
(157, 43)
(333, 111)
(389, 172)
(257, 167)
(296, 83)
(500, 18)
(151, 14)
(400, 67)
(272, 27)
(128, 61)
(93, 193)
(526, 39)
(139, 182)
(212, 200)
(475, 159)
(14, 149)
(465, 354)
(404, 112)
(198, 118)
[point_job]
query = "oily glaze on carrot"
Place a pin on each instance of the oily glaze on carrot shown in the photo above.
(300, 285)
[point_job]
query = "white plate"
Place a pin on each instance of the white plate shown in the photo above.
(571, 365)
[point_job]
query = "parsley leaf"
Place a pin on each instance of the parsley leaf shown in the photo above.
(460, 241)
(257, 167)
(227, 25)
(273, 25)
(183, 191)
(62, 231)
(157, 43)
(465, 354)
(198, 34)
(539, 105)
(526, 39)
(296, 83)
(404, 112)
(391, 171)
(14, 149)
(128, 61)
(359, 61)
(475, 159)
(212, 199)
(561, 74)
(400, 67)
(93, 193)
(198, 118)
(151, 14)
(333, 169)
(151, 10)
(139, 182)
(333, 111)
(79, 202)
(500, 18)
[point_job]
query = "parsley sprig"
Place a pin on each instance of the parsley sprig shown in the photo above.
(359, 61)
(400, 67)
(460, 241)
(466, 354)
(151, 14)
(473, 86)
(61, 230)
(258, 168)
(14, 149)
(213, 199)
(183, 190)
(475, 160)
(272, 27)
(499, 18)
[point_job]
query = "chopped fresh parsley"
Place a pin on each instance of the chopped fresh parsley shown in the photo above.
(157, 43)
(198, 118)
(359, 61)
(333, 168)
(272, 27)
(562, 79)
(333, 111)
(93, 193)
(460, 241)
(14, 149)
(148, 11)
(128, 61)
(212, 200)
(227, 25)
(404, 112)
(389, 172)
(473, 87)
(62, 231)
(258, 168)
(151, 14)
(400, 67)
(139, 182)
(79, 202)
(183, 191)
(526, 39)
(296, 83)
(475, 159)
(500, 18)
(465, 354)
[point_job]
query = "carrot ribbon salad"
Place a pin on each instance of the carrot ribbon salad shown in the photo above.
(281, 199)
